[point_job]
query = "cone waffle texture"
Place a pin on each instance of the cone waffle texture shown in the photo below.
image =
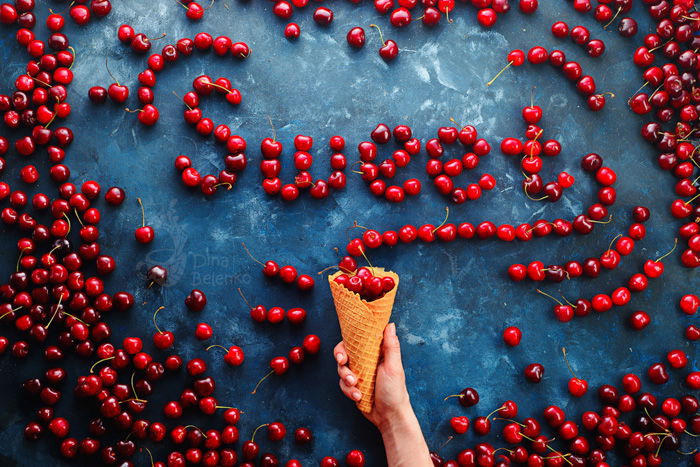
(362, 326)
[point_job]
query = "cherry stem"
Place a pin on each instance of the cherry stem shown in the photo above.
(224, 88)
(53, 117)
(452, 395)
(42, 82)
(182, 4)
(686, 453)
(211, 4)
(455, 122)
(133, 388)
(656, 90)
(255, 390)
(497, 410)
(449, 438)
(252, 438)
(326, 269)
(510, 420)
(381, 36)
(547, 295)
(619, 9)
(251, 255)
(226, 184)
(530, 197)
(566, 360)
(77, 216)
(675, 244)
(21, 253)
(75, 54)
(149, 454)
(691, 434)
(154, 319)
(637, 91)
(11, 311)
(127, 109)
(447, 214)
(92, 368)
(58, 307)
(143, 213)
(244, 299)
(151, 39)
(110, 73)
(568, 302)
(613, 241)
(67, 220)
(216, 345)
(693, 199)
(685, 138)
(274, 132)
(603, 222)
(366, 258)
(499, 73)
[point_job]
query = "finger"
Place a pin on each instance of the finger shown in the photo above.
(340, 354)
(347, 375)
(391, 349)
(350, 392)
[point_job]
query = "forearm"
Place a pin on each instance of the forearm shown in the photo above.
(404, 442)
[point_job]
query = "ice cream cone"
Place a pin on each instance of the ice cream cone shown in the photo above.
(362, 325)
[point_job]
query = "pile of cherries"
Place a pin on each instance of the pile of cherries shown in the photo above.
(591, 267)
(364, 283)
(631, 425)
(674, 105)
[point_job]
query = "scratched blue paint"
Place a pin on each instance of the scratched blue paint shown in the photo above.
(454, 299)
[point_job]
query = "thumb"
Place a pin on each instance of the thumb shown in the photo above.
(391, 349)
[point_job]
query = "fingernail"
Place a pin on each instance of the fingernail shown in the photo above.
(357, 395)
(350, 379)
(338, 357)
(392, 329)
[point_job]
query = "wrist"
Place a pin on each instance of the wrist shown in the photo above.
(398, 419)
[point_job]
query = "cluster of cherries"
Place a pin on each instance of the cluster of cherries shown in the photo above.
(288, 274)
(621, 296)
(580, 35)
(631, 425)
(376, 175)
(148, 114)
(271, 167)
(583, 224)
(674, 104)
(606, 12)
(531, 162)
(443, 173)
(279, 365)
(236, 160)
(275, 314)
(21, 13)
(362, 281)
(585, 84)
(56, 301)
(401, 14)
(591, 267)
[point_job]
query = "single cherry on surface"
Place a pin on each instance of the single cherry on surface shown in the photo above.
(145, 233)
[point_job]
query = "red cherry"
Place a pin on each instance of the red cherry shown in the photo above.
(512, 336)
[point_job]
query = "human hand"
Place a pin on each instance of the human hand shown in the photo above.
(390, 393)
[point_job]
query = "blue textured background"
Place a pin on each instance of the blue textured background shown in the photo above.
(454, 299)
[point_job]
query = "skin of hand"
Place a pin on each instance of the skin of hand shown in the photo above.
(390, 392)
(392, 413)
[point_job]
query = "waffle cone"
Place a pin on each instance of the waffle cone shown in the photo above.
(362, 326)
